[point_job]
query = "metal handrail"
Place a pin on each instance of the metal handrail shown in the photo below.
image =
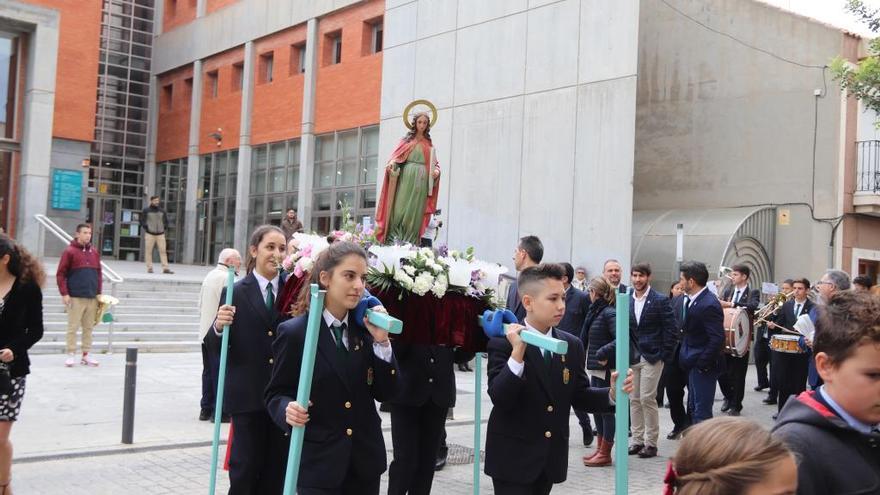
(64, 237)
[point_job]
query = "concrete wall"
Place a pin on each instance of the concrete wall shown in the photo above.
(720, 124)
(536, 107)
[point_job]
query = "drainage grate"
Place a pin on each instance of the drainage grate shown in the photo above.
(459, 454)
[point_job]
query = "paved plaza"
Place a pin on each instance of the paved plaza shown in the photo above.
(68, 437)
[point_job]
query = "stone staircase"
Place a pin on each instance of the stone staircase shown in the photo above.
(152, 315)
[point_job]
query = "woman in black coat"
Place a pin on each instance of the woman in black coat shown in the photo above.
(21, 326)
(598, 336)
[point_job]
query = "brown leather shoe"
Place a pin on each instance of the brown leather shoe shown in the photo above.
(635, 448)
(595, 452)
(648, 452)
(603, 458)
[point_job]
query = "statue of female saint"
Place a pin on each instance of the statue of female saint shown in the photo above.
(409, 189)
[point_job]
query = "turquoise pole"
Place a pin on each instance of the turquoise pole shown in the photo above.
(221, 380)
(478, 399)
(304, 390)
(621, 412)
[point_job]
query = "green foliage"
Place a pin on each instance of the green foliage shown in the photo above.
(863, 80)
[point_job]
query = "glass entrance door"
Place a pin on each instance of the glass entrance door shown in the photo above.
(103, 213)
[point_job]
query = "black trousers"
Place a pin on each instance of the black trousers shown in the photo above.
(352, 485)
(789, 374)
(676, 382)
(210, 375)
(733, 380)
(415, 435)
(259, 455)
(762, 360)
(540, 486)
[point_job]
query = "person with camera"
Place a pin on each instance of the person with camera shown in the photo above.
(21, 326)
(430, 234)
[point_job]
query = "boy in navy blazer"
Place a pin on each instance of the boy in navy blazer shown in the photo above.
(703, 337)
(533, 391)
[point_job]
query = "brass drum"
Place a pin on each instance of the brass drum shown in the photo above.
(785, 343)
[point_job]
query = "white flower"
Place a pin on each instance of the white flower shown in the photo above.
(440, 286)
(409, 269)
(306, 264)
(427, 252)
(403, 279)
(423, 283)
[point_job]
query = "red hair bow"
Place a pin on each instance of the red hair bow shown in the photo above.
(669, 479)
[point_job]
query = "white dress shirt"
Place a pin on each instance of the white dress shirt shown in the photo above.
(382, 352)
(639, 304)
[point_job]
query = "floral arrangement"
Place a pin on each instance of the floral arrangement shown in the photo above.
(303, 259)
(422, 270)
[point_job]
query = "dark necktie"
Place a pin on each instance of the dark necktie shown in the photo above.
(735, 297)
(684, 308)
(270, 296)
(548, 356)
(338, 331)
(797, 310)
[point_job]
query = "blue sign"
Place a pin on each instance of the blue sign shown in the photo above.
(67, 189)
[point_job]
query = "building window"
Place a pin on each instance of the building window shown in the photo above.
(237, 76)
(167, 96)
(345, 176)
(274, 182)
(333, 48)
(373, 36)
(188, 89)
(298, 58)
(8, 78)
(212, 83)
(267, 66)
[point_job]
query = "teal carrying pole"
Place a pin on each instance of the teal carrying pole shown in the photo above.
(478, 399)
(221, 380)
(304, 390)
(621, 411)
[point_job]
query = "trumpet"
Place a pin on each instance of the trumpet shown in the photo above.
(772, 306)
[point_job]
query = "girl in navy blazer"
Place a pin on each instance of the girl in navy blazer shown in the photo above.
(259, 450)
(343, 451)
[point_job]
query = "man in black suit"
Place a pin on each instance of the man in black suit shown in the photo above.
(259, 448)
(577, 305)
(733, 380)
(532, 393)
(702, 340)
(611, 272)
(529, 252)
(653, 327)
(790, 370)
(763, 355)
(426, 391)
(674, 377)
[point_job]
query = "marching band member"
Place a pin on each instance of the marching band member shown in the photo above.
(733, 380)
(790, 369)
(343, 451)
(259, 449)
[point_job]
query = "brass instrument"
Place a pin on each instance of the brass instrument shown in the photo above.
(104, 304)
(772, 307)
(725, 278)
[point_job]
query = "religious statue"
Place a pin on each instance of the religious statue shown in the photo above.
(409, 187)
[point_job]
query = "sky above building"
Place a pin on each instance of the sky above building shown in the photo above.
(828, 11)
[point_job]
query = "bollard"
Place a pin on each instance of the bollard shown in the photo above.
(131, 356)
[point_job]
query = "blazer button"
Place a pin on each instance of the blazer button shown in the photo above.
(393, 372)
(347, 405)
(348, 432)
(270, 333)
(548, 434)
(431, 360)
(430, 380)
(271, 360)
(549, 408)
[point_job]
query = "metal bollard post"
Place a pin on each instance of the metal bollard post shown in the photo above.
(131, 355)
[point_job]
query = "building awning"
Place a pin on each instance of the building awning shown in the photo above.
(717, 237)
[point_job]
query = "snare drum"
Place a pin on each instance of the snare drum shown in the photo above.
(785, 343)
(737, 331)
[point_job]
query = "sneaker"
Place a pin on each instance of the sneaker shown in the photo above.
(169, 272)
(88, 361)
(70, 361)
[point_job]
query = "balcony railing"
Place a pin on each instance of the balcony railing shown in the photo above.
(868, 166)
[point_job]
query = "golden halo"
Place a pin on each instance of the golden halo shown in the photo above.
(409, 107)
